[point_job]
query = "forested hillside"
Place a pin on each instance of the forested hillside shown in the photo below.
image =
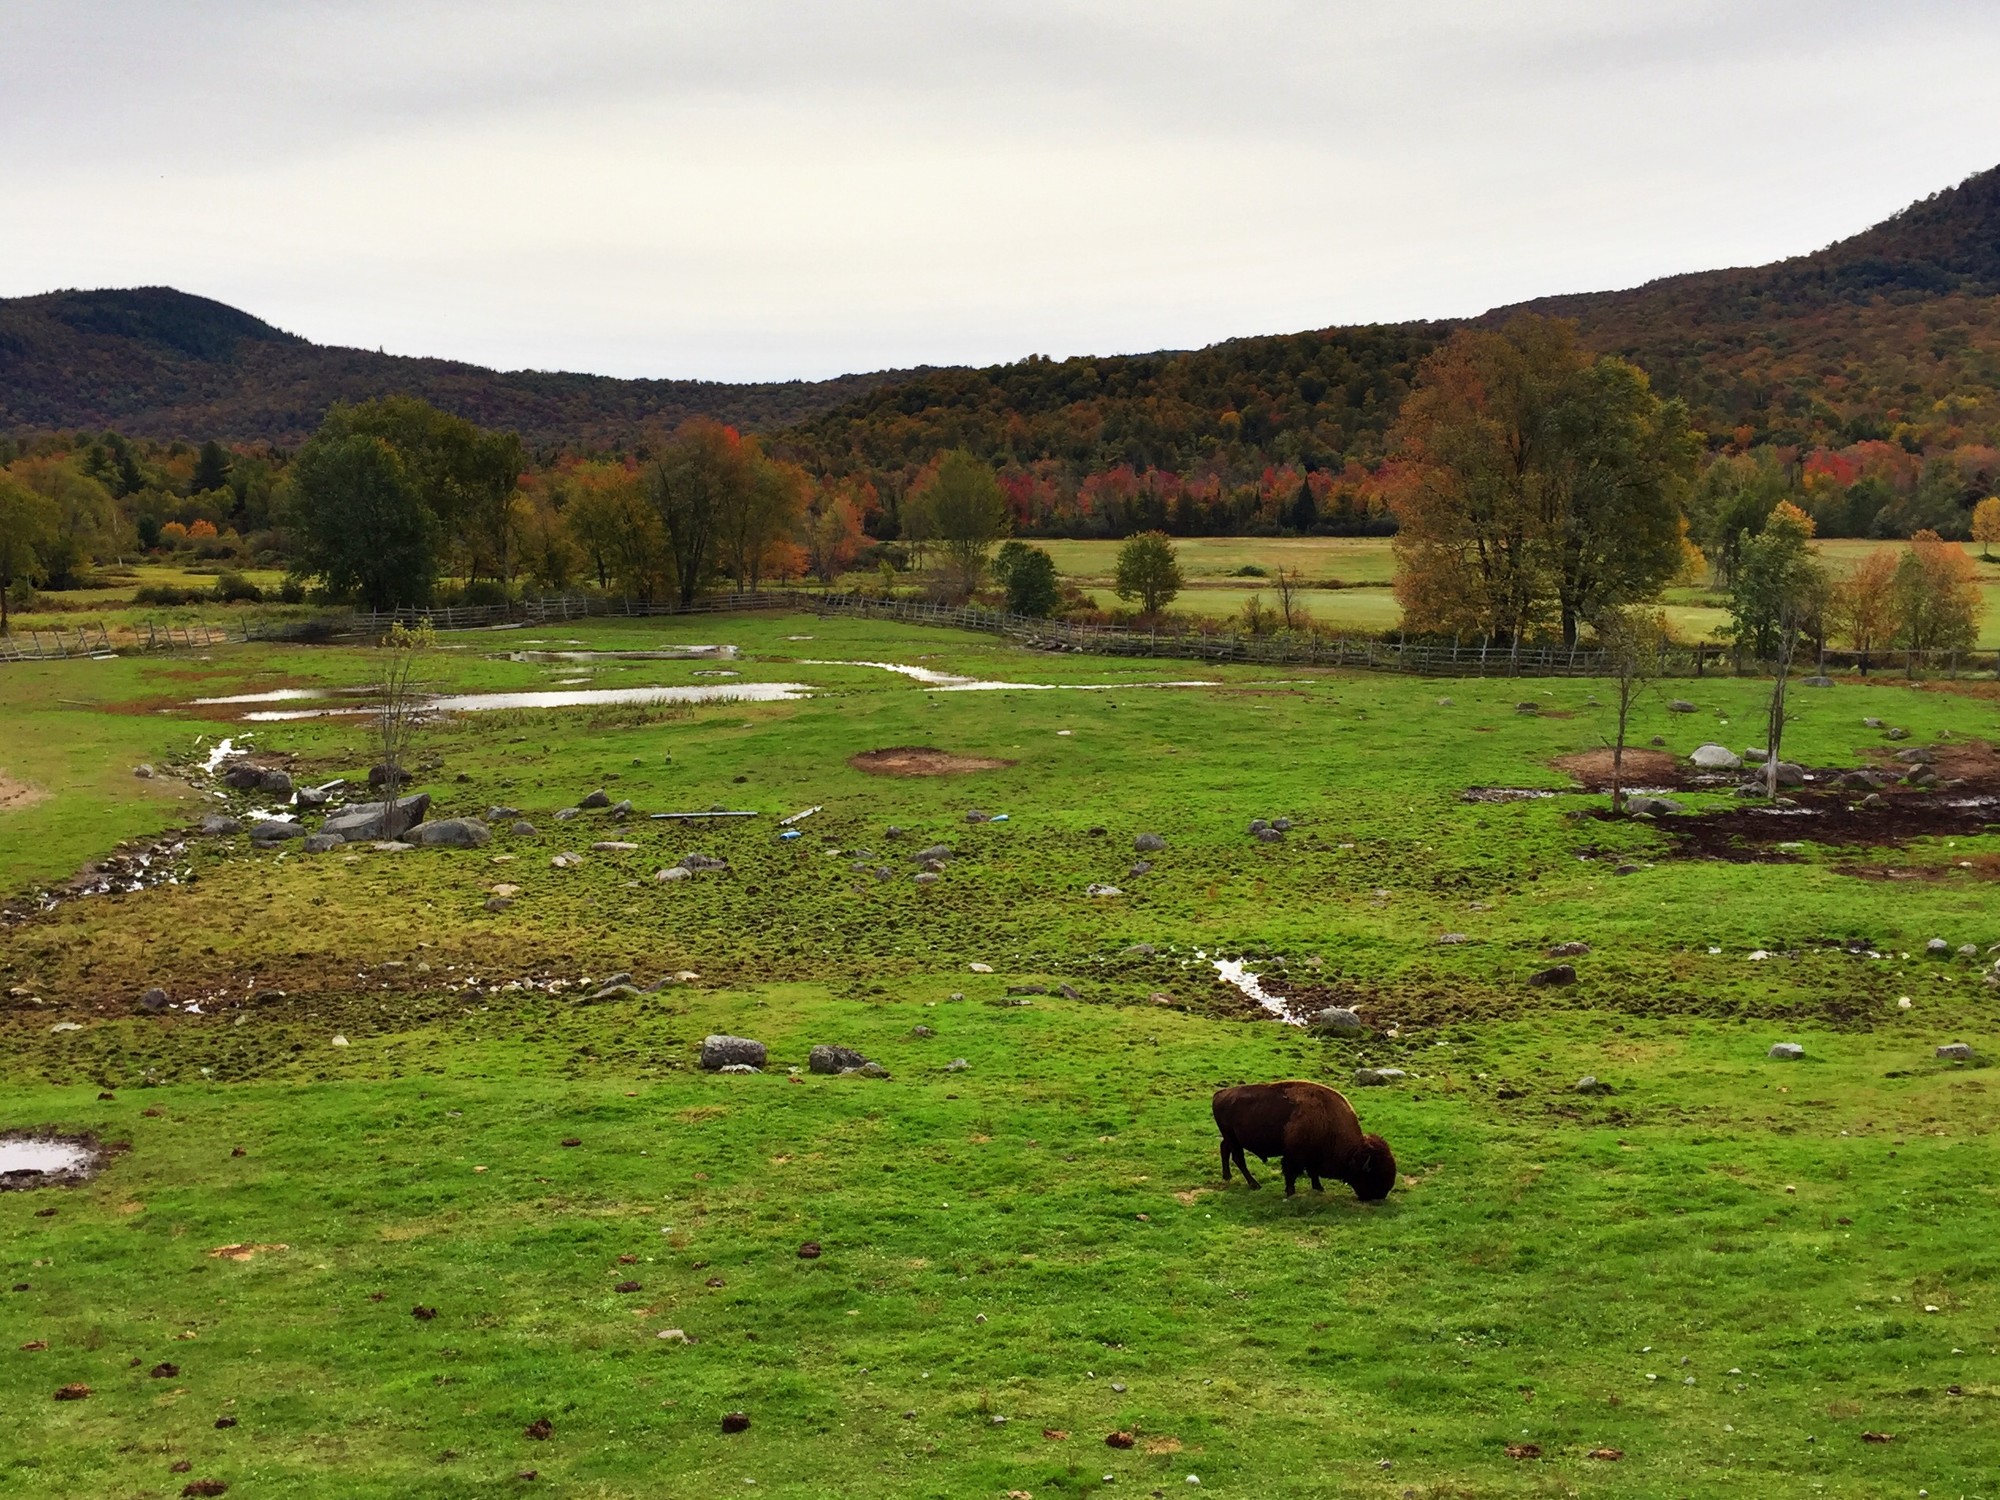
(152, 362)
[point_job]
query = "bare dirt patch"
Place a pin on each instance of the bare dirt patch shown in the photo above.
(1642, 768)
(918, 760)
(15, 795)
(1752, 834)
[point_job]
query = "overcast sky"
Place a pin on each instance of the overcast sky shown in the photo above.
(775, 188)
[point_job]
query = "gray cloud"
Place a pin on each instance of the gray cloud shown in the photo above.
(781, 187)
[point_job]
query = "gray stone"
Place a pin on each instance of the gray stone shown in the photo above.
(1141, 950)
(220, 826)
(621, 810)
(564, 814)
(738, 1068)
(1938, 948)
(312, 798)
(696, 863)
(1069, 992)
(1789, 773)
(378, 820)
(872, 1070)
(1283, 825)
(1651, 807)
(1786, 1051)
(1142, 867)
(1338, 1020)
(1816, 681)
(957, 1065)
(498, 904)
(153, 1001)
(935, 852)
(598, 798)
(974, 815)
(523, 828)
(1375, 1078)
(1871, 723)
(1527, 706)
(1896, 732)
(275, 783)
(1258, 825)
(1714, 757)
(1658, 739)
(243, 776)
(322, 843)
(722, 1051)
(1874, 802)
(143, 772)
(926, 877)
(1149, 843)
(922, 1031)
(276, 830)
(1916, 755)
(828, 1058)
(613, 846)
(1590, 1084)
(1450, 939)
(1755, 757)
(498, 814)
(1445, 703)
(1568, 950)
(1273, 835)
(1558, 974)
(1955, 1052)
(1968, 950)
(672, 872)
(1097, 888)
(1681, 706)
(453, 833)
(625, 991)
(893, 832)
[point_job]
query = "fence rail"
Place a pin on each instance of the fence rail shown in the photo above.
(1289, 648)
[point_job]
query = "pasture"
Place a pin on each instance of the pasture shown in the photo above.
(403, 1203)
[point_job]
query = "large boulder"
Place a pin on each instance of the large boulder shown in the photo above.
(275, 783)
(276, 830)
(1713, 757)
(1789, 773)
(1149, 843)
(453, 833)
(598, 798)
(378, 820)
(719, 1052)
(1338, 1020)
(827, 1058)
(323, 843)
(216, 824)
(1652, 807)
(243, 776)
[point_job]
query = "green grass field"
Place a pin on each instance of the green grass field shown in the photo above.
(1728, 1269)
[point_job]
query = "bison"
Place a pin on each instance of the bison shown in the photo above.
(1310, 1129)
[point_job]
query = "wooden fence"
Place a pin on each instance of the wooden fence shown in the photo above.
(54, 645)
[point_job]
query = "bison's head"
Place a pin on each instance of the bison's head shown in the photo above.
(1371, 1170)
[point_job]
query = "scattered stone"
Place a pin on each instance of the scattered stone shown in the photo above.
(1142, 867)
(1756, 757)
(722, 1051)
(827, 1058)
(523, 828)
(323, 843)
(1069, 992)
(1338, 1020)
(498, 904)
(1272, 835)
(1141, 950)
(569, 859)
(1938, 948)
(153, 1001)
(1590, 1084)
(1789, 773)
(499, 814)
(1283, 825)
(937, 853)
(1658, 739)
(378, 820)
(1968, 950)
(1258, 825)
(974, 815)
(453, 833)
(1681, 706)
(1452, 939)
(1873, 802)
(979, 968)
(1816, 681)
(1955, 1052)
(736, 1421)
(1568, 950)
(922, 1031)
(613, 846)
(1149, 843)
(564, 814)
(1370, 1078)
(276, 830)
(1896, 733)
(738, 1068)
(620, 810)
(1651, 807)
(672, 872)
(927, 877)
(1871, 723)
(598, 798)
(1527, 706)
(1916, 755)
(1445, 703)
(957, 1065)
(1786, 1051)
(219, 826)
(1556, 974)
(1095, 888)
(893, 832)
(143, 772)
(872, 1070)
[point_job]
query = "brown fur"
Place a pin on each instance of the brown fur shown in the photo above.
(1310, 1129)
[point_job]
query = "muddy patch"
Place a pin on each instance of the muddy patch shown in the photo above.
(920, 760)
(1756, 834)
(39, 1159)
(1651, 767)
(15, 795)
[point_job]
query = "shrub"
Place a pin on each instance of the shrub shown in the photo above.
(234, 588)
(167, 594)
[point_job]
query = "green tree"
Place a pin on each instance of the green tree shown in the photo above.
(27, 528)
(87, 522)
(360, 523)
(1149, 570)
(1733, 498)
(960, 507)
(1781, 593)
(705, 476)
(211, 469)
(1031, 583)
(1632, 639)
(1936, 595)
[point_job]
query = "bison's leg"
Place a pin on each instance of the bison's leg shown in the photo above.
(1315, 1182)
(1291, 1169)
(1225, 1158)
(1231, 1145)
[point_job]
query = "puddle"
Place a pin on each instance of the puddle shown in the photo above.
(275, 695)
(1232, 972)
(949, 682)
(670, 653)
(40, 1161)
(224, 748)
(472, 703)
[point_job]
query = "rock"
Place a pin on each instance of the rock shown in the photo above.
(1916, 755)
(276, 830)
(1258, 825)
(1922, 776)
(980, 968)
(143, 772)
(1558, 974)
(1955, 1052)
(1590, 1084)
(1651, 807)
(872, 1070)
(1938, 948)
(564, 814)
(1373, 1078)
(313, 798)
(974, 815)
(1786, 1051)
(220, 826)
(378, 820)
(1896, 733)
(1149, 843)
(453, 833)
(827, 1058)
(523, 828)
(672, 872)
(1789, 773)
(1681, 706)
(1445, 703)
(1871, 723)
(1527, 706)
(1714, 757)
(1069, 992)
(1816, 681)
(243, 776)
(738, 1068)
(620, 810)
(1270, 835)
(613, 846)
(1568, 950)
(497, 904)
(1095, 888)
(721, 1051)
(1143, 867)
(498, 814)
(1141, 950)
(275, 783)
(1755, 757)
(1658, 739)
(598, 798)
(322, 843)
(153, 1001)
(1338, 1020)
(937, 853)
(1283, 825)
(957, 1065)
(698, 863)
(926, 877)
(625, 991)
(735, 1421)
(922, 1031)
(569, 859)
(1968, 950)
(1873, 802)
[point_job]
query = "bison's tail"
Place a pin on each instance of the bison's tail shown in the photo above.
(1371, 1170)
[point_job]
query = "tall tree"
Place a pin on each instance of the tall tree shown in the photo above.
(1986, 524)
(703, 477)
(1539, 485)
(1780, 593)
(1936, 590)
(759, 516)
(360, 522)
(1863, 604)
(1149, 570)
(1632, 639)
(211, 469)
(87, 522)
(27, 528)
(1032, 585)
(961, 508)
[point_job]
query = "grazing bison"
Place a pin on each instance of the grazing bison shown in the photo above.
(1312, 1132)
